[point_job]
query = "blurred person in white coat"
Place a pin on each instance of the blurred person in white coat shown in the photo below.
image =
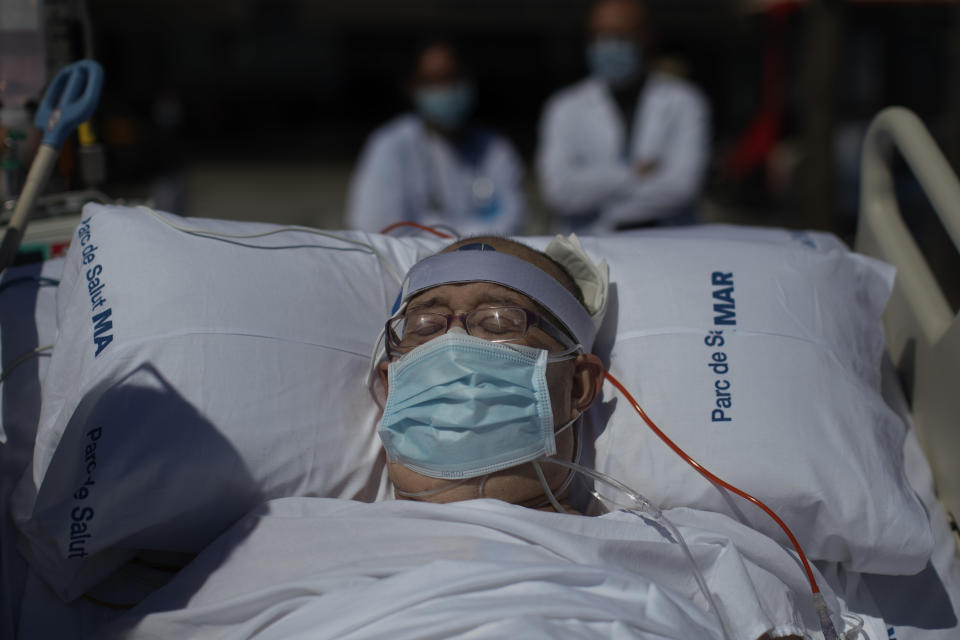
(625, 147)
(436, 167)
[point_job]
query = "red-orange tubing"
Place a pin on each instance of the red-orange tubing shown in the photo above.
(712, 478)
(415, 225)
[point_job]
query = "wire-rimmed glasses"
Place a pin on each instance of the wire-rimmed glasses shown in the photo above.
(496, 324)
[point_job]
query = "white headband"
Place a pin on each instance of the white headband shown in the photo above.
(501, 268)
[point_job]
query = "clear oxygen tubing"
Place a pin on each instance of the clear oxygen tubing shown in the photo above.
(823, 613)
(577, 451)
(213, 235)
(639, 503)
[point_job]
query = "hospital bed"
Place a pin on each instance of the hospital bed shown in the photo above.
(191, 411)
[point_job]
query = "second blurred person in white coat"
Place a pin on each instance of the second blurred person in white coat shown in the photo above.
(624, 147)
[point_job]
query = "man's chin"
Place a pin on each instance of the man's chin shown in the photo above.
(517, 485)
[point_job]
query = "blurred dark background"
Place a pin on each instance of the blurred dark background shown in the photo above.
(257, 109)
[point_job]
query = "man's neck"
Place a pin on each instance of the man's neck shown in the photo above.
(450, 135)
(629, 93)
(626, 98)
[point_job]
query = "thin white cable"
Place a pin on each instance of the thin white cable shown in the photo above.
(19, 360)
(206, 233)
(387, 264)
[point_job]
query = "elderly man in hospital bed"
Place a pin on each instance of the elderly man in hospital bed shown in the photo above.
(488, 370)
(489, 366)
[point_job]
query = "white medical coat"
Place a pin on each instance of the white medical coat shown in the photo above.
(586, 165)
(407, 172)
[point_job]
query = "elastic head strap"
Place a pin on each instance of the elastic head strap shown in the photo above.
(504, 269)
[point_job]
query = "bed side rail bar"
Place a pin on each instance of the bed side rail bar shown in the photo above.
(923, 332)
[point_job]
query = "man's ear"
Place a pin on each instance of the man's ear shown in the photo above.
(587, 380)
(382, 371)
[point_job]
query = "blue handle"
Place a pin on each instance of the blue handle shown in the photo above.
(69, 101)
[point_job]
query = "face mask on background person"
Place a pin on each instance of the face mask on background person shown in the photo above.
(446, 106)
(615, 60)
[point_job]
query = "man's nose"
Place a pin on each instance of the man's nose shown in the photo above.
(459, 321)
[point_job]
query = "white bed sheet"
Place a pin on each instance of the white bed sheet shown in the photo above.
(342, 569)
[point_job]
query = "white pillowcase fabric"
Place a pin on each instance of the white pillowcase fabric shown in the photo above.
(762, 361)
(235, 373)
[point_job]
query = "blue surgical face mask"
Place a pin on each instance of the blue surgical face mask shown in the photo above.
(462, 407)
(446, 106)
(615, 60)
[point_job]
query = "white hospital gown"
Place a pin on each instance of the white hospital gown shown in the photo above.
(585, 164)
(407, 172)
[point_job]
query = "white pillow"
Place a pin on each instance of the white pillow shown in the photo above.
(230, 374)
(194, 378)
(761, 358)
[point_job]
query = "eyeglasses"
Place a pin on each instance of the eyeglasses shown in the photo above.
(496, 324)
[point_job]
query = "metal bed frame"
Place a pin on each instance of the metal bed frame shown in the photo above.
(923, 332)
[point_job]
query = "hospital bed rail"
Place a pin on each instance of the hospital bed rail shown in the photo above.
(922, 330)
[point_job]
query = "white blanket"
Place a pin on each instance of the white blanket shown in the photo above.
(323, 568)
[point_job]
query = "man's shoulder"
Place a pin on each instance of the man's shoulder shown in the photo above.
(582, 92)
(402, 129)
(671, 87)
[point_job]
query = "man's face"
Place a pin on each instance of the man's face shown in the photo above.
(437, 67)
(619, 19)
(517, 484)
(440, 92)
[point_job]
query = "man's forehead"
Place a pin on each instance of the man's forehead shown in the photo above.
(621, 17)
(509, 247)
(438, 62)
(469, 294)
(543, 291)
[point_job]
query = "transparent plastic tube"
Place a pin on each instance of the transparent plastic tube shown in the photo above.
(826, 624)
(645, 506)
